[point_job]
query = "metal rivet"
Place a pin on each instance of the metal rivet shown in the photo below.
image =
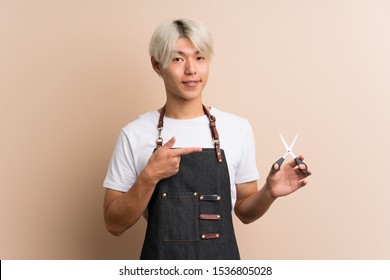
(218, 216)
(164, 194)
(201, 198)
(195, 193)
(218, 197)
(203, 236)
(217, 235)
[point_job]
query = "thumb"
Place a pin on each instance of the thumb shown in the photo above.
(170, 143)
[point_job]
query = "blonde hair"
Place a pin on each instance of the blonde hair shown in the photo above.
(163, 41)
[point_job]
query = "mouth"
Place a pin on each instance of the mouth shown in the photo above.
(191, 83)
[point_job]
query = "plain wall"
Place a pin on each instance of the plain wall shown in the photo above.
(73, 73)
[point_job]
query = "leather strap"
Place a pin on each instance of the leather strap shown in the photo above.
(210, 236)
(213, 128)
(214, 133)
(214, 217)
(160, 127)
(210, 197)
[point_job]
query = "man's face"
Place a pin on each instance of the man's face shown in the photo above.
(187, 73)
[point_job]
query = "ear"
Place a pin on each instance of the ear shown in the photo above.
(156, 65)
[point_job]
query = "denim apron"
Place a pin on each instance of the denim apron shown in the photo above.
(190, 213)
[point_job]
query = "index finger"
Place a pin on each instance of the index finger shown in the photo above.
(185, 151)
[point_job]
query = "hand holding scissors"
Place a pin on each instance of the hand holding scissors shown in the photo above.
(280, 161)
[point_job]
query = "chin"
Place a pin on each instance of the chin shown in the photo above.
(190, 94)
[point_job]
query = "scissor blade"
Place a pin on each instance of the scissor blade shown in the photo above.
(293, 142)
(284, 143)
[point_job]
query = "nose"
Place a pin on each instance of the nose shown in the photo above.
(190, 67)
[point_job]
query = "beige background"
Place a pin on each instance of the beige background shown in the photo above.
(72, 73)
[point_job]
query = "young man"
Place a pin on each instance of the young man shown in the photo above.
(186, 166)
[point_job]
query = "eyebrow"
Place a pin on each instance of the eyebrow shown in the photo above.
(183, 53)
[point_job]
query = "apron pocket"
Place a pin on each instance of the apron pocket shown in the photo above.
(180, 216)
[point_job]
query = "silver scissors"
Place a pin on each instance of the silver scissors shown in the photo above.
(289, 152)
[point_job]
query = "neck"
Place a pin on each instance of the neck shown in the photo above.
(184, 110)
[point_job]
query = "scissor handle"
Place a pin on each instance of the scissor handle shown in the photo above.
(298, 161)
(279, 162)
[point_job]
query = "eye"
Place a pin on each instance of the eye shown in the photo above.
(200, 58)
(177, 59)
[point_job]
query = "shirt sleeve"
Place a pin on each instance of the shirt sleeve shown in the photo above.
(247, 169)
(121, 173)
